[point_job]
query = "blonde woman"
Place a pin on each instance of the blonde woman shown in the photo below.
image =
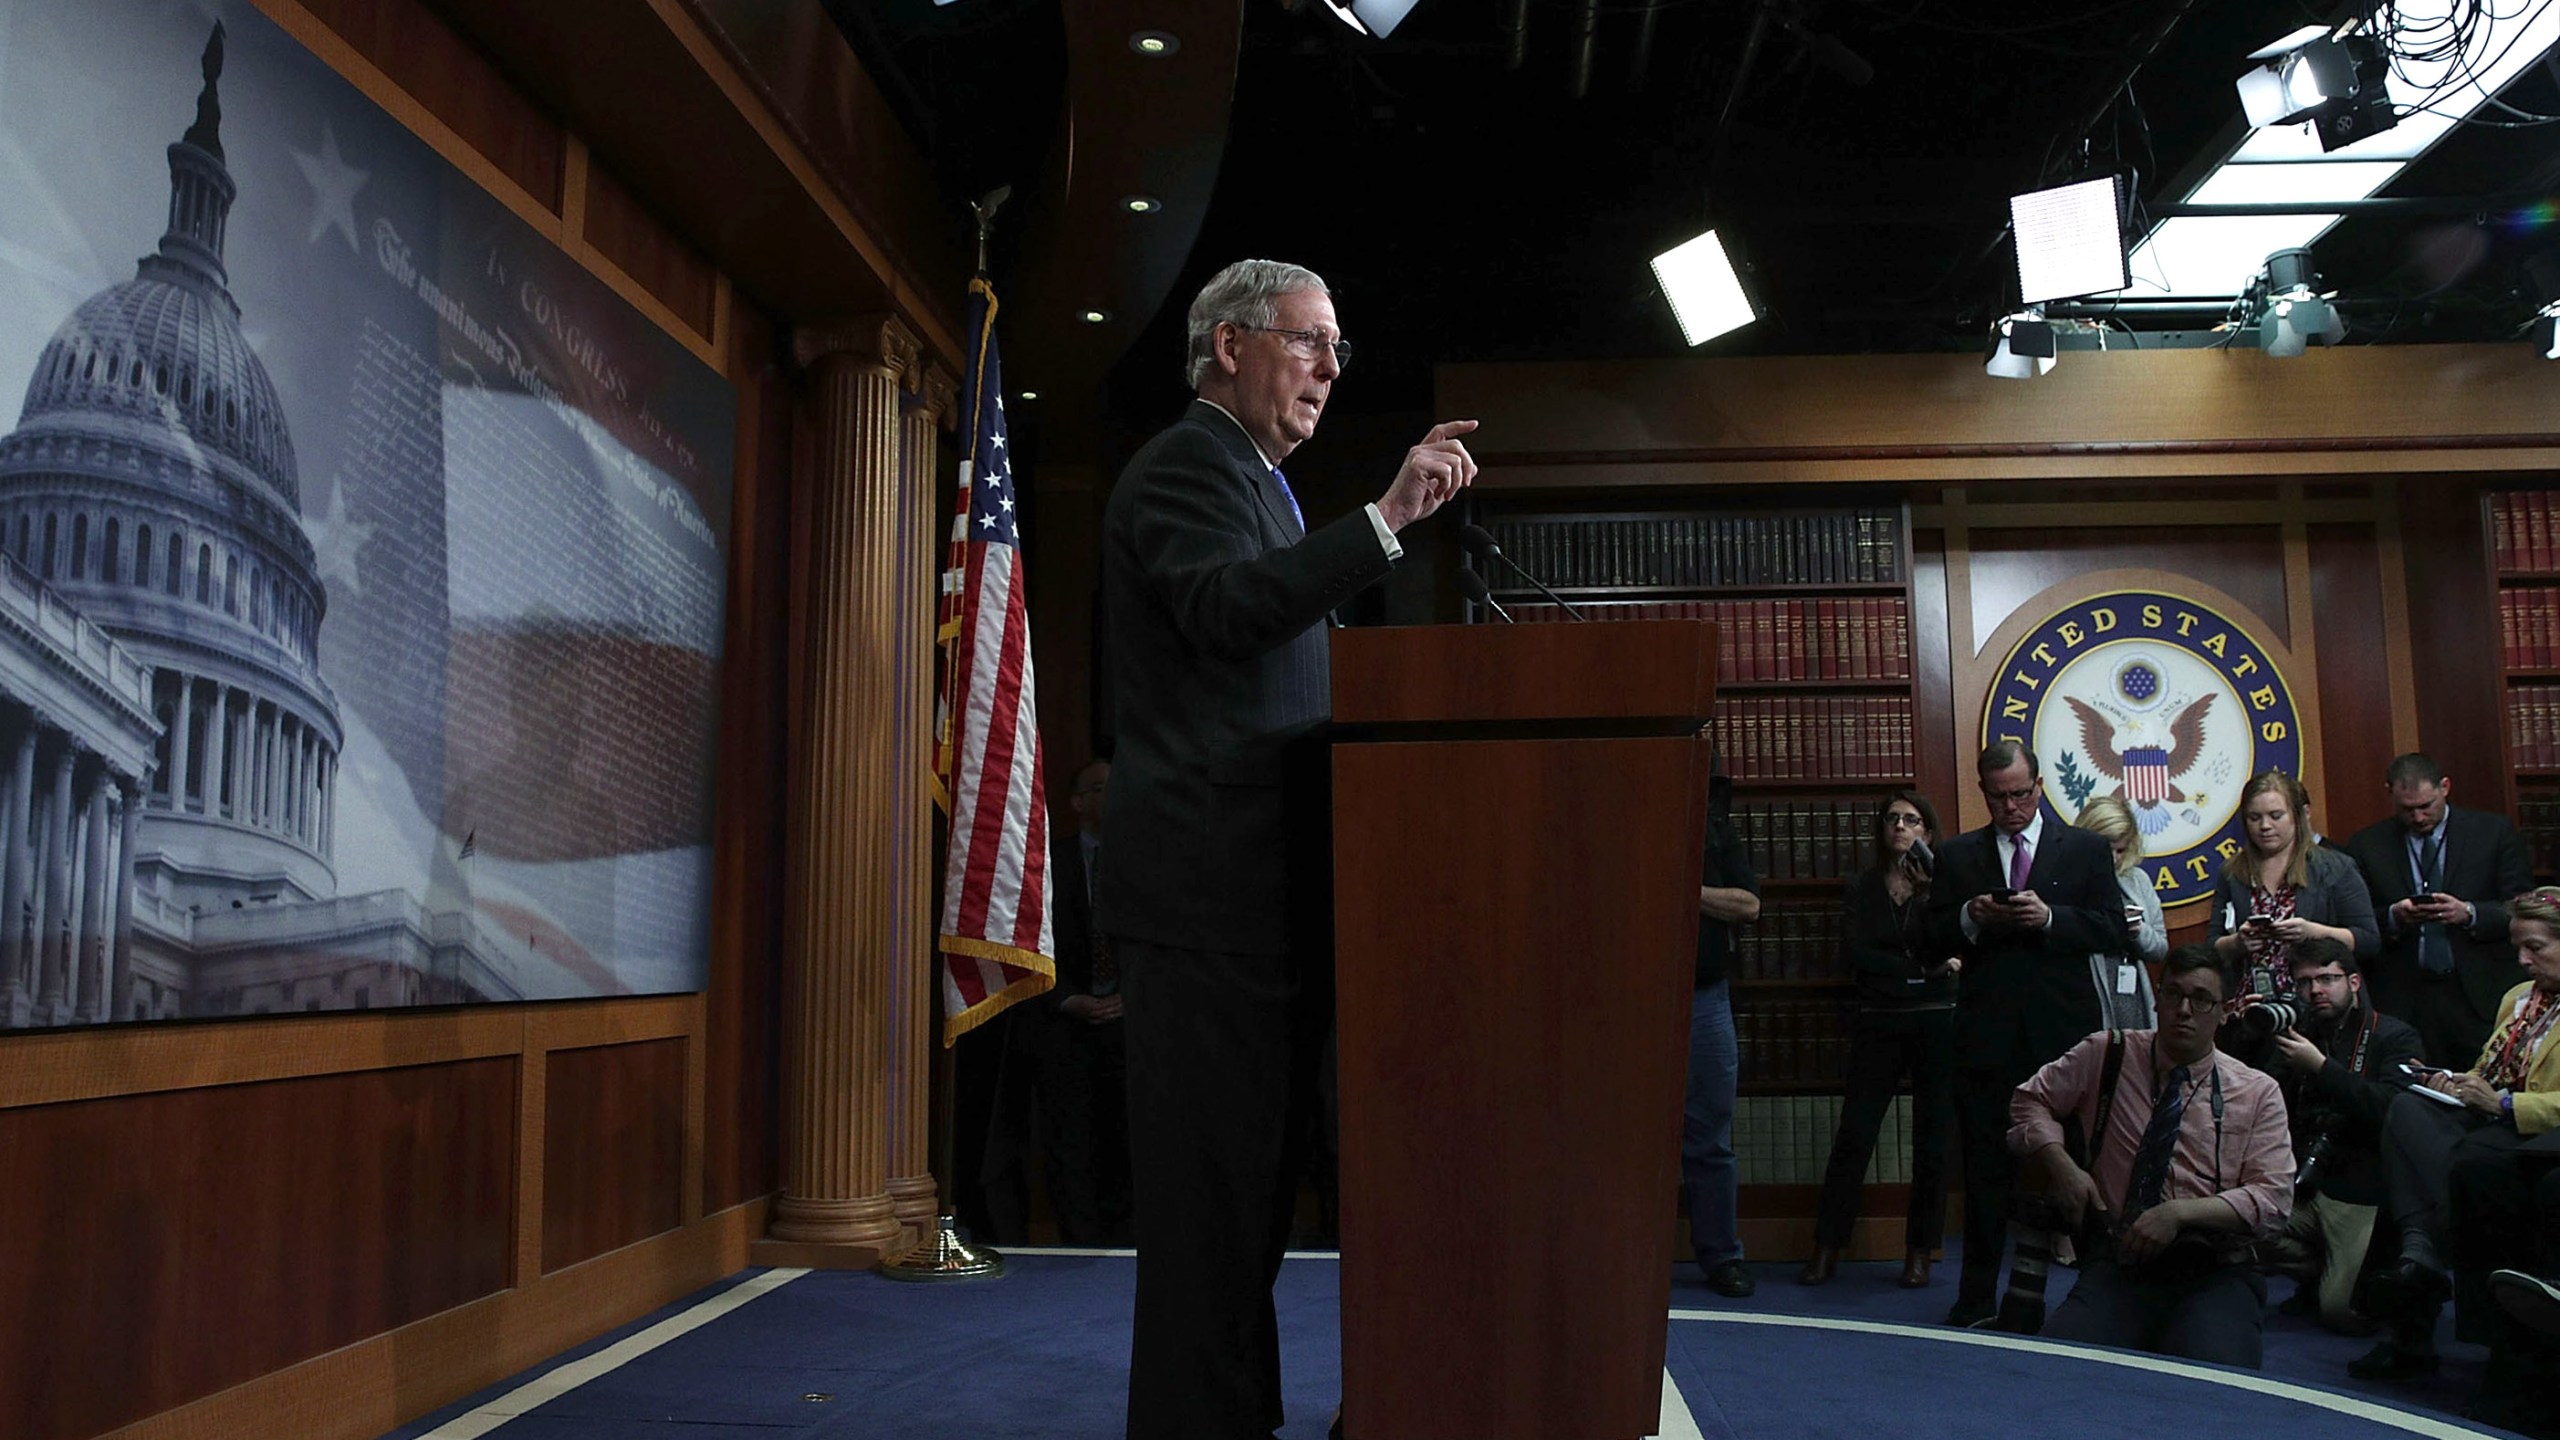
(2283, 886)
(2124, 981)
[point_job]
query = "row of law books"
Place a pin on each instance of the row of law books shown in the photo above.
(2524, 526)
(2529, 628)
(1792, 1042)
(1823, 839)
(1814, 737)
(1828, 547)
(1791, 942)
(2533, 726)
(1786, 1140)
(2539, 821)
(1849, 638)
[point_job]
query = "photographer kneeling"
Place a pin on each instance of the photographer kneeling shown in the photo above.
(2338, 1061)
(2192, 1161)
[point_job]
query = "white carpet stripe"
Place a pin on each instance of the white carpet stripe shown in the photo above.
(1676, 1422)
(563, 1379)
(2256, 1384)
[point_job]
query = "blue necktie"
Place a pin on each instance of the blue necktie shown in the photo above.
(2159, 1145)
(1292, 497)
(2435, 948)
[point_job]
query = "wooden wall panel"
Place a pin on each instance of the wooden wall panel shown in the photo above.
(612, 1148)
(2011, 567)
(421, 54)
(1938, 747)
(165, 1246)
(640, 246)
(2453, 635)
(2355, 678)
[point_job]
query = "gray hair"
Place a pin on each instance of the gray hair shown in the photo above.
(1242, 294)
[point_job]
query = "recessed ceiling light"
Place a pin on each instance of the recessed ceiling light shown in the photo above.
(1141, 204)
(1094, 317)
(1030, 394)
(1154, 43)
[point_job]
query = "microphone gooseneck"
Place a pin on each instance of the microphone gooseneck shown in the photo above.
(1481, 593)
(1479, 542)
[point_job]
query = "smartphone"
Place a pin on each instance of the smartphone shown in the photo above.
(2259, 923)
(2004, 894)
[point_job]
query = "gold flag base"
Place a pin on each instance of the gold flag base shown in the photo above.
(945, 1256)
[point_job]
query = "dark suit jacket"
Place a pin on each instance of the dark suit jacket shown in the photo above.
(2024, 998)
(1038, 1029)
(2486, 864)
(1214, 605)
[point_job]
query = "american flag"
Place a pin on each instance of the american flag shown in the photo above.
(995, 943)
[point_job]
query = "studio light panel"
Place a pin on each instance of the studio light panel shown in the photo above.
(2070, 240)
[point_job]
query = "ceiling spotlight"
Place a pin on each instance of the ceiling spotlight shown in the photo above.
(2337, 85)
(1141, 204)
(1030, 395)
(1094, 317)
(2542, 282)
(1704, 289)
(2290, 309)
(1154, 43)
(1371, 17)
(2022, 346)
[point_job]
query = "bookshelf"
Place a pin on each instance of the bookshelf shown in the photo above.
(2524, 528)
(1814, 724)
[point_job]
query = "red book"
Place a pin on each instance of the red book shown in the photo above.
(2507, 629)
(1795, 641)
(1900, 626)
(2502, 524)
(2537, 533)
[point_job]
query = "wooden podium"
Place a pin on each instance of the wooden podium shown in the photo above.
(1519, 816)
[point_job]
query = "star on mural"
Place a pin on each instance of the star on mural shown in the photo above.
(334, 184)
(335, 541)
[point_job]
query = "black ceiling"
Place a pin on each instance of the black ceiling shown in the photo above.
(1464, 208)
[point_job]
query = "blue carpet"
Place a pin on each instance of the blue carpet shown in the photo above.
(1043, 1353)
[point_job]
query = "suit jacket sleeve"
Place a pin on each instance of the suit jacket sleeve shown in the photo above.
(1193, 535)
(2087, 905)
(2514, 876)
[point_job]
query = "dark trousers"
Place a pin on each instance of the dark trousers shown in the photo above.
(1222, 1059)
(2506, 1215)
(1990, 1172)
(2451, 1029)
(2423, 1143)
(1084, 1119)
(2216, 1319)
(1884, 1046)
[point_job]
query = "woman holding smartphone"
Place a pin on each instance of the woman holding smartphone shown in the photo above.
(2282, 886)
(1905, 1025)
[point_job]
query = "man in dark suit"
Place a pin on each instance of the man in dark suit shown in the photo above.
(1215, 896)
(2440, 879)
(2021, 904)
(1069, 1040)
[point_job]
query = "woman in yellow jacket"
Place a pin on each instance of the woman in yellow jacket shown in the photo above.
(2466, 1130)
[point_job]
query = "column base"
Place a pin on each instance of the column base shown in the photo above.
(917, 1202)
(833, 1234)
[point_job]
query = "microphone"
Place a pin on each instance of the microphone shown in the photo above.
(1479, 542)
(1482, 594)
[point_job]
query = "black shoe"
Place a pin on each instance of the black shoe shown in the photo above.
(1732, 1281)
(2407, 1290)
(2532, 1300)
(2392, 1360)
(1965, 1314)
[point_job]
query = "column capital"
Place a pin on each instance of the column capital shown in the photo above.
(873, 342)
(941, 408)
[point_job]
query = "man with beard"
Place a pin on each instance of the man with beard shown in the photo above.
(2339, 1067)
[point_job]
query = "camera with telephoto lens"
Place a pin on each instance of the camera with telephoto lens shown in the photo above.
(2262, 1018)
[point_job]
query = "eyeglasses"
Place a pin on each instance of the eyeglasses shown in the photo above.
(1904, 819)
(2194, 1002)
(2009, 797)
(1305, 343)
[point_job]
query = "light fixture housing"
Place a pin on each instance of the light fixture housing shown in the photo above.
(1141, 204)
(1705, 288)
(1155, 44)
(2542, 283)
(2338, 84)
(2023, 346)
(1094, 316)
(1371, 17)
(2293, 312)
(2070, 240)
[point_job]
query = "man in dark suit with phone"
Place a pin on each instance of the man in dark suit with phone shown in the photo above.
(2440, 879)
(1217, 894)
(2021, 904)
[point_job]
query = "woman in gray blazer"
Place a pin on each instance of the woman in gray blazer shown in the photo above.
(2283, 886)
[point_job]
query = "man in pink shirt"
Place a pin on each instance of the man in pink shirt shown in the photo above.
(2195, 1162)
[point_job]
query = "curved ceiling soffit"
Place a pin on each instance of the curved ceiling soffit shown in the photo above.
(1134, 125)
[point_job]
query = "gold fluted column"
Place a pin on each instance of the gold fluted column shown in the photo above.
(850, 863)
(911, 1181)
